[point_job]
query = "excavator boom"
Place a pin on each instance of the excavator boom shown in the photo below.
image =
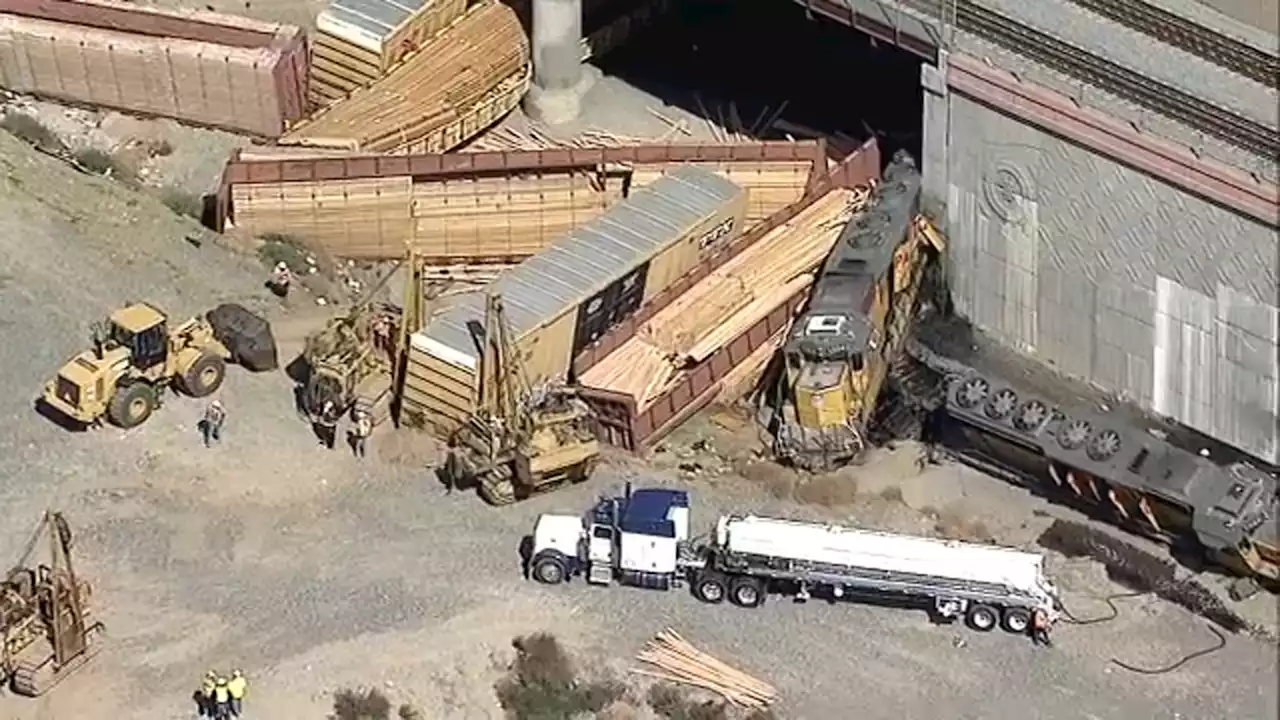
(516, 445)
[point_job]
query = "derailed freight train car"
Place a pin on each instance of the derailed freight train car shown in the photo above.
(566, 297)
(1118, 470)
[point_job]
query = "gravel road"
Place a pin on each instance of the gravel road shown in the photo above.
(312, 570)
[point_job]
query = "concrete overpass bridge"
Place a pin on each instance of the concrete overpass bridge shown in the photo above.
(1106, 171)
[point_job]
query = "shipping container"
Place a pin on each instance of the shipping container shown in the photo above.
(203, 68)
(563, 299)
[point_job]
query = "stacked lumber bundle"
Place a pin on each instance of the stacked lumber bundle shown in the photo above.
(358, 41)
(363, 218)
(467, 77)
(726, 303)
(678, 661)
(447, 221)
(511, 217)
(200, 67)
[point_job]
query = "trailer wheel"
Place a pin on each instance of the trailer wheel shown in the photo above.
(746, 592)
(710, 588)
(982, 617)
(1016, 620)
(549, 570)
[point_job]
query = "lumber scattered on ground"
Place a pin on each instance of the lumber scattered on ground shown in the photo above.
(726, 303)
(679, 661)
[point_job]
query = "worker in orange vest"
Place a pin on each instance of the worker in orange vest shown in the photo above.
(1040, 628)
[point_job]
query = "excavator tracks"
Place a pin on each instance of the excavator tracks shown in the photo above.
(33, 679)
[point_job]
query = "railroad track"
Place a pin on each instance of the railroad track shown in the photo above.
(1129, 84)
(1177, 31)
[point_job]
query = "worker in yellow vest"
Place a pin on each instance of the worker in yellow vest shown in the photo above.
(221, 700)
(204, 696)
(235, 688)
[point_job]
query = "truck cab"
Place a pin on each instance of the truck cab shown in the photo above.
(635, 539)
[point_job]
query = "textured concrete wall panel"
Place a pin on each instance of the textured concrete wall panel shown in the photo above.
(1115, 277)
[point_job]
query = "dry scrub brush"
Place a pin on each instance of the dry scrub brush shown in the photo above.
(542, 684)
(33, 132)
(676, 703)
(368, 704)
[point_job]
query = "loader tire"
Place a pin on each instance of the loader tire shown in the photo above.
(205, 376)
(246, 335)
(131, 405)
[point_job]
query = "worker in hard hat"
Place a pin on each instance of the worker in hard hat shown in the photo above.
(361, 432)
(1040, 627)
(214, 416)
(235, 688)
(221, 700)
(281, 278)
(204, 696)
(326, 425)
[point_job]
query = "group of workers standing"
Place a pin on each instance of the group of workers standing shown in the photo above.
(326, 427)
(220, 698)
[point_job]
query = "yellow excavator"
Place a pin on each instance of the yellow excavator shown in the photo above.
(520, 441)
(44, 614)
(838, 356)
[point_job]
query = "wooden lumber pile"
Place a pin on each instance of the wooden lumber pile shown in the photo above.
(741, 381)
(726, 303)
(726, 124)
(423, 104)
(463, 220)
(506, 217)
(533, 138)
(678, 661)
(355, 43)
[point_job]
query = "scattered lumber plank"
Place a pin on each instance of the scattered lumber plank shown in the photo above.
(679, 661)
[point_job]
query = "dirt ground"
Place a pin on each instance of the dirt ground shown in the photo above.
(314, 571)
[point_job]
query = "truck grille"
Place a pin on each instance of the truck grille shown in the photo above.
(68, 392)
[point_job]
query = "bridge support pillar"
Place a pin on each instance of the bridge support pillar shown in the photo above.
(935, 145)
(559, 78)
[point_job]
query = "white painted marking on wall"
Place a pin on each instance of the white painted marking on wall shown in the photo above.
(1240, 319)
(1160, 351)
(1022, 273)
(960, 247)
(1183, 357)
(1194, 378)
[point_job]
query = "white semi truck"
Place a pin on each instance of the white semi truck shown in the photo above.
(642, 539)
